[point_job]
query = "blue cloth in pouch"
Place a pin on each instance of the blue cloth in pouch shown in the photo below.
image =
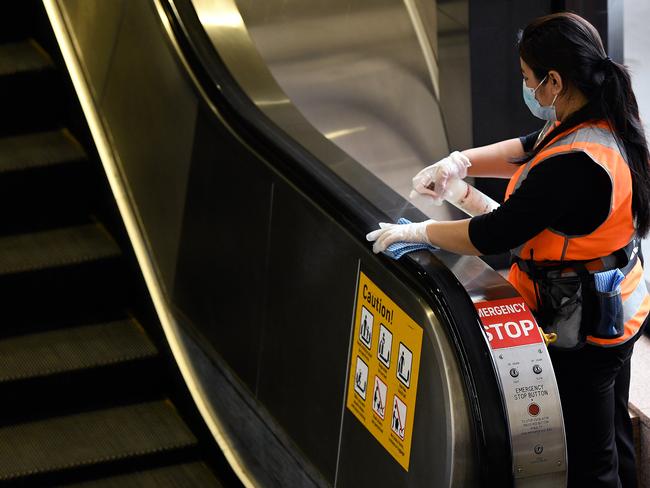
(609, 280)
(397, 249)
(610, 302)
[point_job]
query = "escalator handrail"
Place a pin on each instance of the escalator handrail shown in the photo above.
(424, 272)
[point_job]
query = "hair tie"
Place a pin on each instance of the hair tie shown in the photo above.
(606, 61)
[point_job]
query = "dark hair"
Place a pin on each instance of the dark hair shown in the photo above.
(568, 44)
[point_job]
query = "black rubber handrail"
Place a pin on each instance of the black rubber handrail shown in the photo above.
(424, 272)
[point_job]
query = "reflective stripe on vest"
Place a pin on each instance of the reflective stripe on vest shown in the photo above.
(596, 141)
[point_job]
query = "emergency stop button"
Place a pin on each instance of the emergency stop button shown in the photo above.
(533, 409)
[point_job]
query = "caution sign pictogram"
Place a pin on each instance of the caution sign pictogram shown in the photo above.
(384, 345)
(361, 378)
(398, 422)
(365, 327)
(384, 368)
(379, 398)
(404, 361)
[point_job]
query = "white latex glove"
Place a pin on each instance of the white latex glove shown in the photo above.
(387, 234)
(433, 179)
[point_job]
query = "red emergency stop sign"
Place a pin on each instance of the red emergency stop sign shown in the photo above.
(508, 323)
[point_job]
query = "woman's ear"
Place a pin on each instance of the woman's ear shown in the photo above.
(555, 82)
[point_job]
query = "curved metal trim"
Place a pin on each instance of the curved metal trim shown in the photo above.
(138, 240)
(427, 52)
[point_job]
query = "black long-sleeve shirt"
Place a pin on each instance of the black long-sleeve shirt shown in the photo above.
(568, 192)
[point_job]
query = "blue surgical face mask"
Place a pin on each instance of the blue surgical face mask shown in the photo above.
(544, 113)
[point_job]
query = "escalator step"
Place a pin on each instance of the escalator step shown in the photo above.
(91, 438)
(24, 56)
(72, 349)
(55, 248)
(190, 475)
(39, 150)
(31, 89)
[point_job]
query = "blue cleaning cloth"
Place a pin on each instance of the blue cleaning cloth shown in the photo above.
(397, 249)
(609, 280)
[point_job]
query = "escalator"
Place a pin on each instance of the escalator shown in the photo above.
(90, 396)
(200, 312)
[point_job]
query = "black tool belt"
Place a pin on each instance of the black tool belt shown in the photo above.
(569, 303)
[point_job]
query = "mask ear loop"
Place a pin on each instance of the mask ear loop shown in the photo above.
(540, 84)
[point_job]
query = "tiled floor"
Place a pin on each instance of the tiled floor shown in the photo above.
(640, 405)
(639, 392)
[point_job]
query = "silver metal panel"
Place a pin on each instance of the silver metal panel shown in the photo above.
(373, 97)
(97, 23)
(462, 468)
(479, 280)
(538, 441)
(150, 112)
(359, 76)
(454, 71)
(534, 410)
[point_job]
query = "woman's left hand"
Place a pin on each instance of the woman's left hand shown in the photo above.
(388, 234)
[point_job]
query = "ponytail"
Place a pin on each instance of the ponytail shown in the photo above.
(620, 109)
(567, 43)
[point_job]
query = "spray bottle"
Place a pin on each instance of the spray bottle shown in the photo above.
(467, 198)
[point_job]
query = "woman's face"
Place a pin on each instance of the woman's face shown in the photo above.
(545, 93)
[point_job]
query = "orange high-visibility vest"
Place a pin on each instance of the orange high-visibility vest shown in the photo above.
(597, 141)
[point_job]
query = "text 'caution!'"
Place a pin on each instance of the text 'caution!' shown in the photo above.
(384, 368)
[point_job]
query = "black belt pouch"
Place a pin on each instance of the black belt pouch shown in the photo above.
(562, 310)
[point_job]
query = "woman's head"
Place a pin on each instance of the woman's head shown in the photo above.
(563, 54)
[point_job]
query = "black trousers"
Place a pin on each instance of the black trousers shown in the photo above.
(594, 384)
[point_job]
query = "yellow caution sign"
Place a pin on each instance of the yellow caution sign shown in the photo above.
(384, 367)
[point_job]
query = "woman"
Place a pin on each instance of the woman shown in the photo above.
(578, 195)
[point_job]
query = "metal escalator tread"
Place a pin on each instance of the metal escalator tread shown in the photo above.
(20, 57)
(38, 150)
(72, 349)
(190, 475)
(90, 438)
(55, 248)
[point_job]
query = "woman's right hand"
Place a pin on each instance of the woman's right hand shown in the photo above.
(433, 179)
